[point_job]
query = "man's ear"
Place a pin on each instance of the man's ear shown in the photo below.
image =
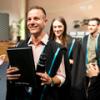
(46, 20)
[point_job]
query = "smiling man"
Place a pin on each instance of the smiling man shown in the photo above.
(90, 61)
(49, 81)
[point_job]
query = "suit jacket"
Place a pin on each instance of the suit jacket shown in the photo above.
(93, 90)
(48, 92)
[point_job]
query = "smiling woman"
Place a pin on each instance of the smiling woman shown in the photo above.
(58, 32)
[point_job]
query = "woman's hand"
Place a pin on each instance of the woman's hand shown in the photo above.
(11, 73)
(71, 61)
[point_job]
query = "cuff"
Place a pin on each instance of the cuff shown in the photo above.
(62, 79)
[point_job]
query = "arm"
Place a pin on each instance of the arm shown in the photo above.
(93, 72)
(2, 58)
(58, 79)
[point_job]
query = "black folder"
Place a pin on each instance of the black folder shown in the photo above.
(23, 59)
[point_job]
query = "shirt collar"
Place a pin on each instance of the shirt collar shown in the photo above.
(93, 37)
(44, 40)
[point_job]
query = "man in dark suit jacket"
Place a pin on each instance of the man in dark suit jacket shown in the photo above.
(53, 76)
(88, 76)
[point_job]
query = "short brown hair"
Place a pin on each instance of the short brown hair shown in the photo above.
(95, 19)
(38, 7)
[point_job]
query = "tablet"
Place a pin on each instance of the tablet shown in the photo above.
(23, 59)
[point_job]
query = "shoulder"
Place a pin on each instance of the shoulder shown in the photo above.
(85, 37)
(69, 38)
(22, 43)
(56, 46)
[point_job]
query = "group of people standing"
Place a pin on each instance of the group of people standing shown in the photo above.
(83, 58)
(72, 69)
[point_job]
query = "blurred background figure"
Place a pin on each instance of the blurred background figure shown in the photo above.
(88, 78)
(3, 84)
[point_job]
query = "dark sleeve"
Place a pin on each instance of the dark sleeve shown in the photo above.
(95, 80)
(94, 88)
(22, 43)
(65, 88)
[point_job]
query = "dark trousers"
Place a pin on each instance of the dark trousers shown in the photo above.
(77, 94)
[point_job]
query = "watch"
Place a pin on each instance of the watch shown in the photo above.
(52, 83)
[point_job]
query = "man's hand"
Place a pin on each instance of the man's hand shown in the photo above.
(45, 78)
(92, 70)
(11, 73)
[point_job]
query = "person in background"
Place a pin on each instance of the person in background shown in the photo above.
(89, 67)
(53, 76)
(2, 58)
(58, 32)
(3, 84)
